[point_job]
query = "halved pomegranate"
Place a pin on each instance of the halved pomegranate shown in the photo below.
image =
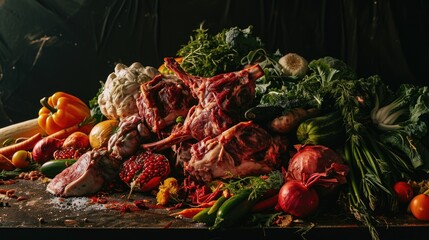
(145, 171)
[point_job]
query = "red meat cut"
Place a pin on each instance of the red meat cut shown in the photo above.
(222, 100)
(243, 150)
(88, 175)
(162, 100)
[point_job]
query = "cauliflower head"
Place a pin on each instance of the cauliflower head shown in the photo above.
(121, 89)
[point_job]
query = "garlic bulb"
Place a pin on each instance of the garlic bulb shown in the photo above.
(293, 65)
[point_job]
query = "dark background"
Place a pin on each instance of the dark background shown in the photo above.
(56, 45)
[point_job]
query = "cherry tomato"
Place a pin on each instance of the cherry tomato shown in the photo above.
(404, 192)
(419, 207)
(21, 159)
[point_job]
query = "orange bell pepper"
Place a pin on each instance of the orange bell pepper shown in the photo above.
(61, 110)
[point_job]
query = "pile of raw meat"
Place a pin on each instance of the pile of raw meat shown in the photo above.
(214, 140)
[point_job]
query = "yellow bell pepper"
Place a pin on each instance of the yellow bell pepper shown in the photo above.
(164, 70)
(61, 110)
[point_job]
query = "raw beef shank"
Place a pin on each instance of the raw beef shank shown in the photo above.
(222, 100)
(162, 100)
(243, 150)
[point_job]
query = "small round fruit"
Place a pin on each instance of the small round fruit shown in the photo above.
(419, 207)
(77, 140)
(101, 133)
(404, 191)
(21, 159)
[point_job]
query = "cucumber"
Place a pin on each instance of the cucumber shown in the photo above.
(51, 168)
(327, 130)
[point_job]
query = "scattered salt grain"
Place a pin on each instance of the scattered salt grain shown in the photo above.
(76, 203)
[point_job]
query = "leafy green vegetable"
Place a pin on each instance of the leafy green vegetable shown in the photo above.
(411, 147)
(4, 174)
(419, 114)
(329, 68)
(269, 88)
(208, 55)
(242, 40)
(256, 184)
(314, 89)
(95, 108)
(394, 107)
(406, 109)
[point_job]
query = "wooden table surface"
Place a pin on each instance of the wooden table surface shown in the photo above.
(34, 212)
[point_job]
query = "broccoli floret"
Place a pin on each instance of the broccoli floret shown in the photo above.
(242, 40)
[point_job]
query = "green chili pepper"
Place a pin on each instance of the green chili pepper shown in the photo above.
(204, 217)
(209, 214)
(217, 205)
(234, 209)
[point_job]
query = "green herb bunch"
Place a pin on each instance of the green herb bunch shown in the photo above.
(207, 55)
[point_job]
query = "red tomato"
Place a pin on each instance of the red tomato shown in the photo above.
(419, 207)
(404, 192)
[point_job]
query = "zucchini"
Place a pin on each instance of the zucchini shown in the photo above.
(327, 130)
(53, 167)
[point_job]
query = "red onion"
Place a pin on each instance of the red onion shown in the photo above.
(298, 199)
(45, 148)
(320, 165)
(313, 174)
